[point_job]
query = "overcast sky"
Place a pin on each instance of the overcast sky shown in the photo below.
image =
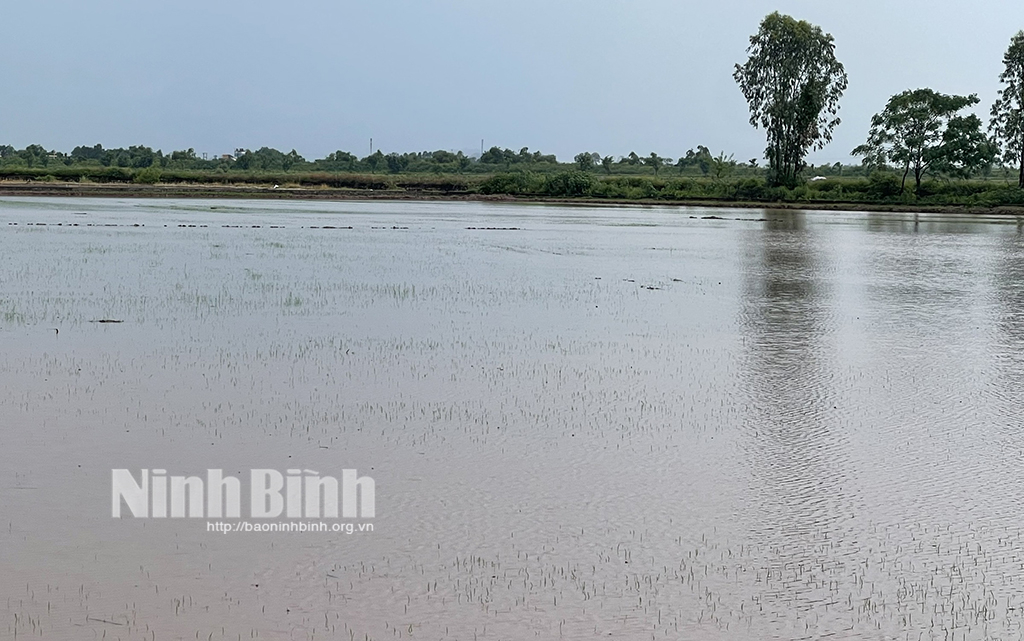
(561, 76)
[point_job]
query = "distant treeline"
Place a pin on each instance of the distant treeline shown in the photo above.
(696, 176)
(125, 164)
(878, 188)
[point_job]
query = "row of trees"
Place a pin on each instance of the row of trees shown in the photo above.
(264, 159)
(700, 159)
(268, 159)
(793, 84)
(695, 161)
(922, 130)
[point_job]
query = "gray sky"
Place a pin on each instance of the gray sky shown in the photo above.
(561, 76)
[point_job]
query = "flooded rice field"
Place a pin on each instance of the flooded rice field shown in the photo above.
(623, 423)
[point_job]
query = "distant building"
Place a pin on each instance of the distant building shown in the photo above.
(227, 157)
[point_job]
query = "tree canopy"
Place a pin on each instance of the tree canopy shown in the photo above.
(921, 130)
(656, 162)
(700, 158)
(792, 83)
(584, 161)
(1007, 124)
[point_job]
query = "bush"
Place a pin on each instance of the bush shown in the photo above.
(828, 188)
(568, 184)
(148, 176)
(751, 189)
(1002, 196)
(883, 185)
(114, 174)
(624, 188)
(513, 183)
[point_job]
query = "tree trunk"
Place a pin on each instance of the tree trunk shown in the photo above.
(917, 180)
(1020, 176)
(903, 183)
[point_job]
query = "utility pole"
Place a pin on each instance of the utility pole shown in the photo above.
(481, 146)
(371, 145)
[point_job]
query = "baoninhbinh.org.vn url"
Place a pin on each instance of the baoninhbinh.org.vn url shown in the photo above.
(291, 527)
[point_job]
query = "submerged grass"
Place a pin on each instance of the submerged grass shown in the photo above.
(566, 425)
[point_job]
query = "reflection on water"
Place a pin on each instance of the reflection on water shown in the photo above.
(794, 442)
(1007, 272)
(788, 357)
(1005, 348)
(583, 422)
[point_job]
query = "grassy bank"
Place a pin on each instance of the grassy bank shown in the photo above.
(880, 191)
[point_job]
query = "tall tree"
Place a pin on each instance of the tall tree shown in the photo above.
(584, 161)
(396, 162)
(792, 83)
(1007, 124)
(700, 158)
(722, 165)
(374, 160)
(656, 162)
(921, 130)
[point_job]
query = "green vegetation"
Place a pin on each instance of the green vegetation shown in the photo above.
(922, 130)
(792, 82)
(854, 187)
(442, 170)
(1007, 125)
(696, 176)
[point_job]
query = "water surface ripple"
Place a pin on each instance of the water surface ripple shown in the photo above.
(629, 423)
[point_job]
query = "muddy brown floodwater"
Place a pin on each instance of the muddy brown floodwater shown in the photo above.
(626, 423)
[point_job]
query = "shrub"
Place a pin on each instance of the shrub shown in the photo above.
(883, 185)
(148, 176)
(512, 183)
(568, 184)
(624, 188)
(750, 189)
